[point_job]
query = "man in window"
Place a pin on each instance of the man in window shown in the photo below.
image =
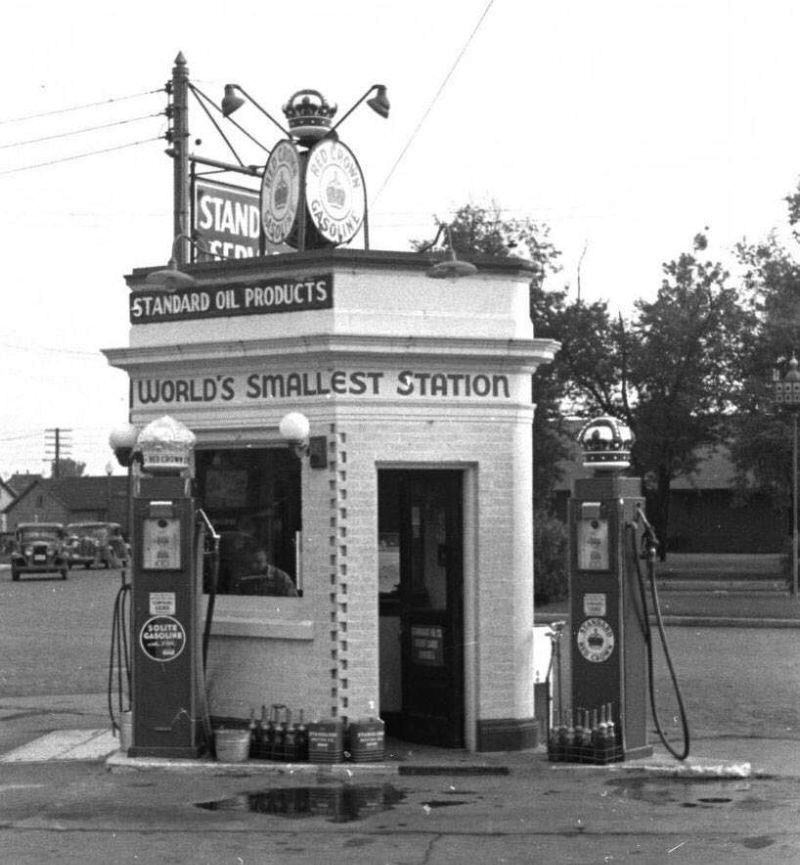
(266, 579)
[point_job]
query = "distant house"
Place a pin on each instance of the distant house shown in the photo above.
(103, 498)
(7, 496)
(20, 481)
(70, 500)
(706, 513)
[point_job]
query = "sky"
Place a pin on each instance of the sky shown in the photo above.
(626, 126)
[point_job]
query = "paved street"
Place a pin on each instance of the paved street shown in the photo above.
(740, 686)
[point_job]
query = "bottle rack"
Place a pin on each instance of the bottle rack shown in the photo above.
(587, 736)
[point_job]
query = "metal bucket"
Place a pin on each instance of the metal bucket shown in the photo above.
(232, 746)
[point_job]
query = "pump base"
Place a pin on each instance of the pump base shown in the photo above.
(638, 753)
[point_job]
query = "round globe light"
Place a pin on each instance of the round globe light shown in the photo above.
(123, 436)
(294, 427)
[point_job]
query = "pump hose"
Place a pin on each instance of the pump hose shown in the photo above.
(119, 657)
(648, 635)
(204, 526)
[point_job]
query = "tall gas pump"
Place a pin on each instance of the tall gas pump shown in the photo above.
(607, 618)
(168, 699)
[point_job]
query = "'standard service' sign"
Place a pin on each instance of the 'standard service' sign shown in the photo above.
(227, 221)
(282, 294)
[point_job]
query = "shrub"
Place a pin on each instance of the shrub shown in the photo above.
(550, 578)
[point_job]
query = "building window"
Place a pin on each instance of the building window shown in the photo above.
(252, 497)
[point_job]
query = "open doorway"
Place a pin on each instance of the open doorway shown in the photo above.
(420, 537)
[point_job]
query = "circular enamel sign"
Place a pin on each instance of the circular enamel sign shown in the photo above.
(162, 638)
(335, 191)
(280, 192)
(595, 640)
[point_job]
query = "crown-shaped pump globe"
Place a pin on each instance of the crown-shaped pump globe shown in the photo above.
(606, 444)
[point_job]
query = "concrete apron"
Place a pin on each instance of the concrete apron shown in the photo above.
(94, 745)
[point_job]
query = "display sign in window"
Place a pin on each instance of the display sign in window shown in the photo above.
(427, 645)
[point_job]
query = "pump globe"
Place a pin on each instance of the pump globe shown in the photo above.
(606, 443)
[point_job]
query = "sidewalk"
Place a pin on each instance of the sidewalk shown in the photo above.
(81, 737)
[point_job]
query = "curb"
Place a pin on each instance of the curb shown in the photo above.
(726, 622)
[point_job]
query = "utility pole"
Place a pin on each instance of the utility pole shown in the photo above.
(57, 443)
(179, 139)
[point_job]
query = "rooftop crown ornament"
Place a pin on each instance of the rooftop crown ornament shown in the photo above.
(309, 116)
(606, 443)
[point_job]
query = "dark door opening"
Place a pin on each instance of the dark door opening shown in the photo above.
(421, 618)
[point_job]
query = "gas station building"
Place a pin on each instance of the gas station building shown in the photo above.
(403, 523)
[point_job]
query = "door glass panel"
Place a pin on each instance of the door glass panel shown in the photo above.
(429, 552)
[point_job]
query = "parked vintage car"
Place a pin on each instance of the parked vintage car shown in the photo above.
(97, 544)
(39, 548)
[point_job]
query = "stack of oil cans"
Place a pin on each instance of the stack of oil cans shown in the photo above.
(275, 736)
(585, 736)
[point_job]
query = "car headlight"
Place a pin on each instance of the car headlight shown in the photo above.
(28, 551)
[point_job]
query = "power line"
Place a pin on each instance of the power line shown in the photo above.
(80, 156)
(79, 107)
(51, 350)
(79, 131)
(434, 100)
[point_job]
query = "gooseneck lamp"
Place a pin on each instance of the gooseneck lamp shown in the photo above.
(379, 103)
(452, 267)
(231, 102)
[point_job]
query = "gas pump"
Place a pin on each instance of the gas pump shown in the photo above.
(168, 699)
(608, 621)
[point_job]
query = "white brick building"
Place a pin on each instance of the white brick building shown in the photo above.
(414, 538)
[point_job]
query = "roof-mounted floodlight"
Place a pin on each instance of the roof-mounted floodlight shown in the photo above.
(452, 267)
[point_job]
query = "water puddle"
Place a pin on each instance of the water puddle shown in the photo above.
(684, 792)
(341, 804)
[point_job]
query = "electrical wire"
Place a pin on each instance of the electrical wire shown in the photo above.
(79, 131)
(79, 107)
(197, 93)
(433, 101)
(80, 155)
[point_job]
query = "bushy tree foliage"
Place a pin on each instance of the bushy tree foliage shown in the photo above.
(67, 468)
(762, 446)
(673, 372)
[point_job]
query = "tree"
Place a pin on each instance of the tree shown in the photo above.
(482, 230)
(687, 353)
(673, 373)
(762, 449)
(67, 467)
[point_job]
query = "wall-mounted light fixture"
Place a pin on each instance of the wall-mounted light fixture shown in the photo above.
(451, 267)
(122, 440)
(295, 428)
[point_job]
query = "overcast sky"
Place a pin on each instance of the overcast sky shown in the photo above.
(626, 126)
